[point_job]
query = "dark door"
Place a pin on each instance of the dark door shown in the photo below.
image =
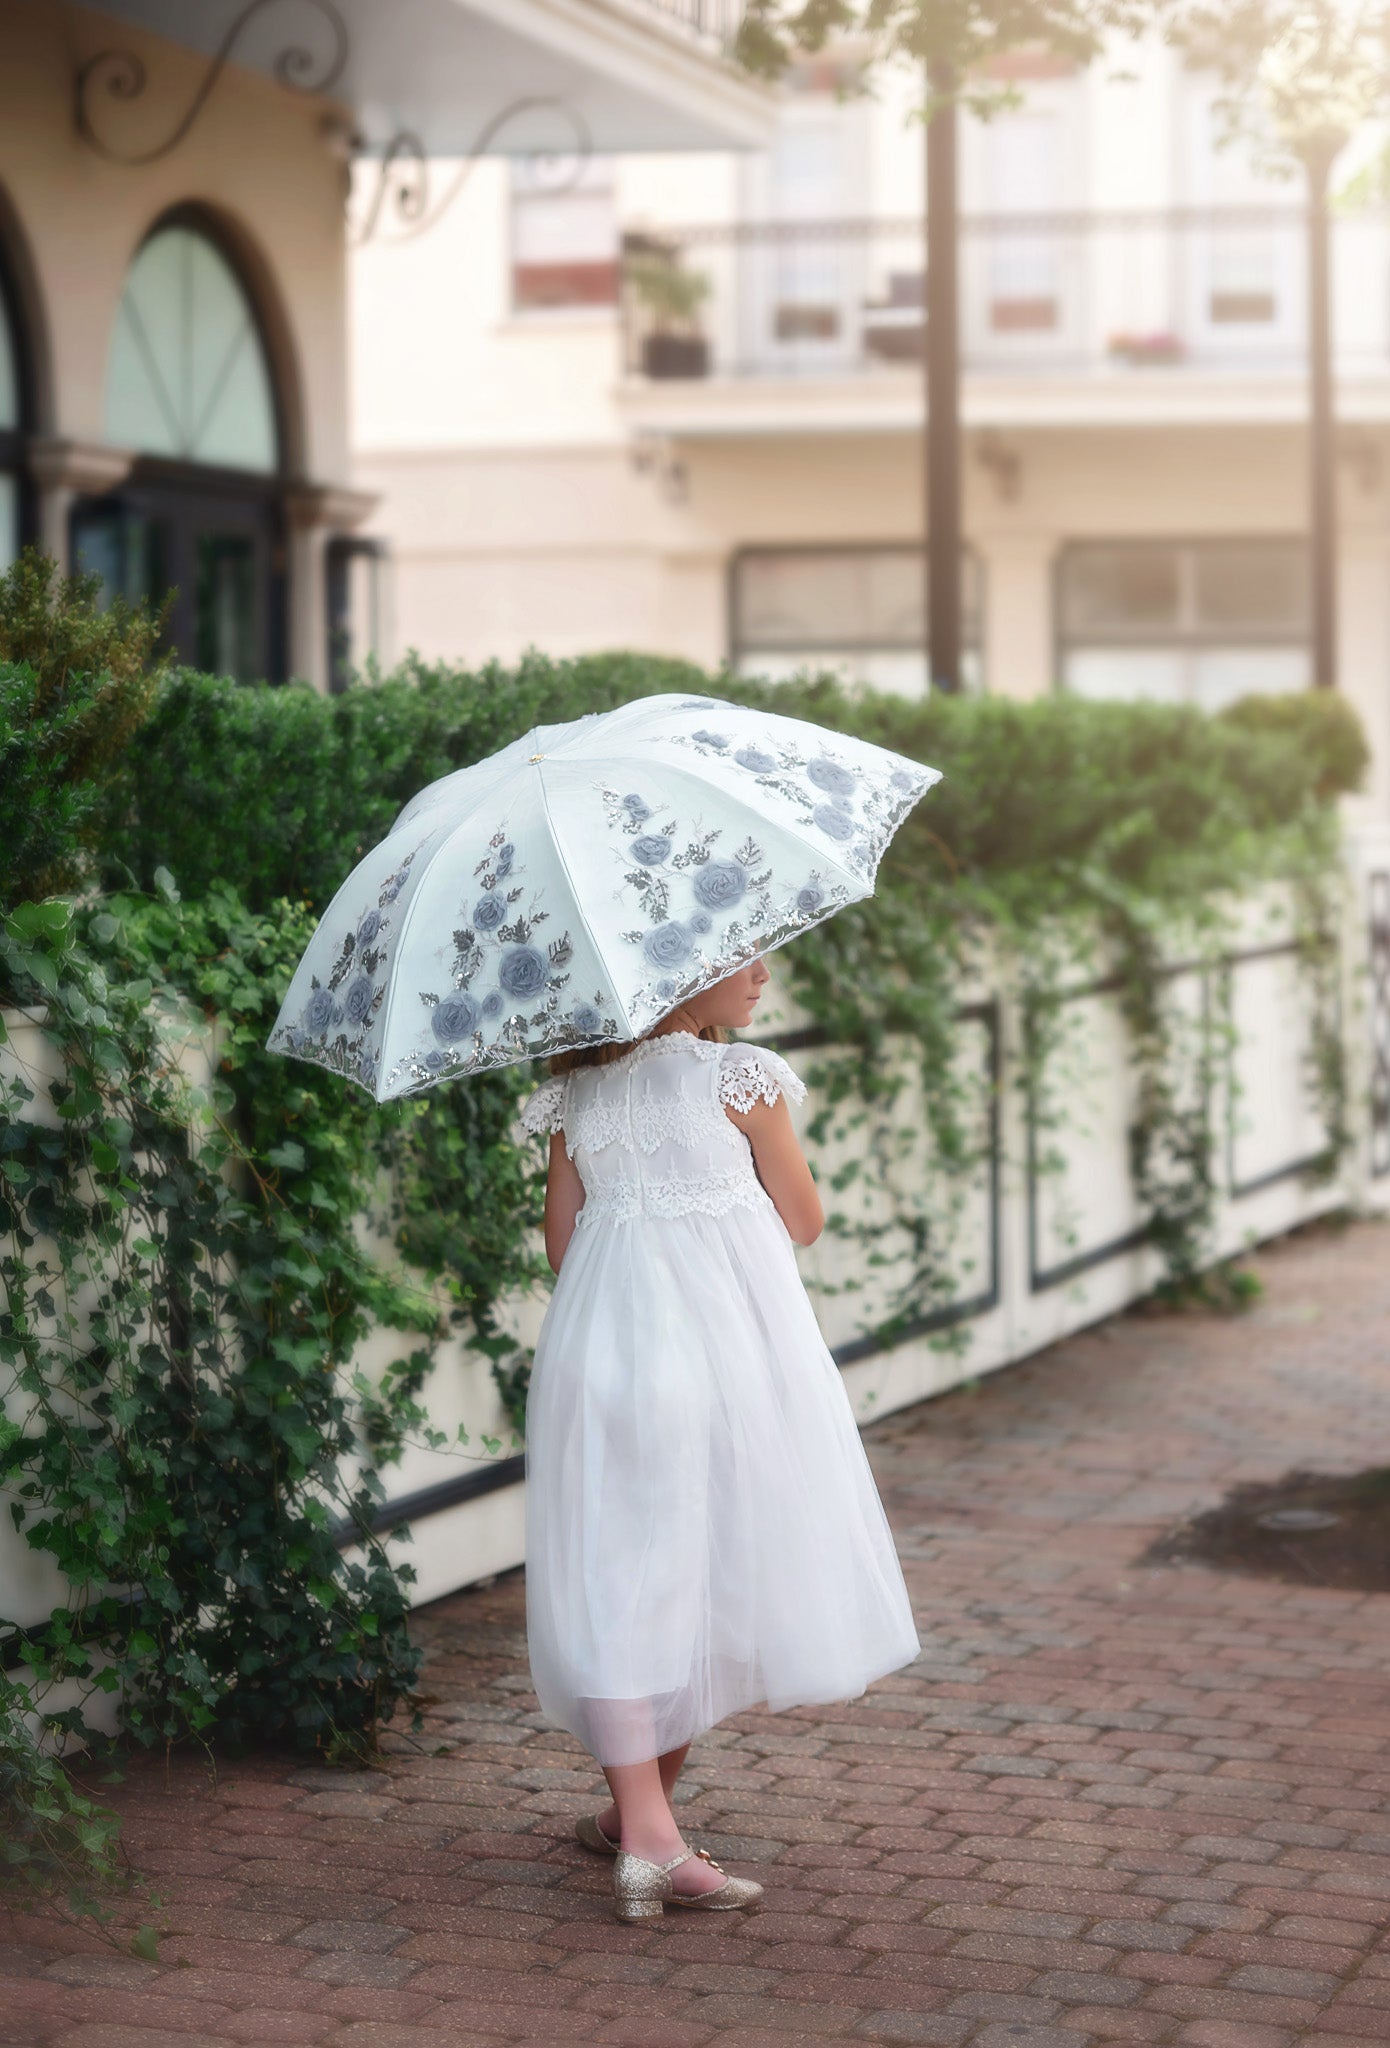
(219, 546)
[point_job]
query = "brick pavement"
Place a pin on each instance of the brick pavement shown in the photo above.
(1109, 1804)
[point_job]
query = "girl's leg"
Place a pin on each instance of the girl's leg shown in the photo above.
(648, 1826)
(610, 1821)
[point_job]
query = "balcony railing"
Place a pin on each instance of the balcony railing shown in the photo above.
(713, 21)
(1039, 293)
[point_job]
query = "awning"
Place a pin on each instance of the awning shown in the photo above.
(636, 73)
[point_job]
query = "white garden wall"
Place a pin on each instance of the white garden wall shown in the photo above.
(1039, 1249)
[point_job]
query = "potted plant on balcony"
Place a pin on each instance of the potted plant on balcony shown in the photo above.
(673, 345)
(1147, 348)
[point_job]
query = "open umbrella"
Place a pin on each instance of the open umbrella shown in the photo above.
(581, 882)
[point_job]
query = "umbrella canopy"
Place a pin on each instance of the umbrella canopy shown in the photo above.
(581, 882)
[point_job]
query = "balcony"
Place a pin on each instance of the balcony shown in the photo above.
(1130, 306)
(712, 21)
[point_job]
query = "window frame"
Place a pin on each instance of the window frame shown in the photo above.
(737, 652)
(195, 499)
(565, 309)
(1188, 642)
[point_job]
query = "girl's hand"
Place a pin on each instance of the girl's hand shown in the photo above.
(781, 1166)
(564, 1198)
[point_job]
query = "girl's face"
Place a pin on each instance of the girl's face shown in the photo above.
(732, 1001)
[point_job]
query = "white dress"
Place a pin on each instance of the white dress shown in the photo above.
(703, 1531)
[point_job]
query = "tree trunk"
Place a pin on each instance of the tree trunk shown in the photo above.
(941, 353)
(1322, 457)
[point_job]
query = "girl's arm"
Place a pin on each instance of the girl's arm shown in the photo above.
(782, 1167)
(564, 1198)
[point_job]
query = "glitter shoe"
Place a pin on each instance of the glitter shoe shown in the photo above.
(641, 1889)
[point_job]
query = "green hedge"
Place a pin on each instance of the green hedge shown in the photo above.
(277, 792)
(219, 819)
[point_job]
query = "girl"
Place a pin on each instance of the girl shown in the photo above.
(703, 1530)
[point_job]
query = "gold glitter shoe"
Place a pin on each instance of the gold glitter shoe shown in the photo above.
(588, 1831)
(641, 1889)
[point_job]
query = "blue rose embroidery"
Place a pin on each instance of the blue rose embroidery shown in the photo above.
(503, 862)
(903, 778)
(435, 1061)
(492, 1004)
(366, 1069)
(524, 972)
(488, 913)
(651, 848)
(835, 824)
(720, 883)
(755, 759)
(667, 945)
(587, 1019)
(829, 775)
(710, 739)
(454, 1018)
(700, 922)
(319, 1013)
(666, 989)
(635, 808)
(369, 927)
(810, 898)
(358, 999)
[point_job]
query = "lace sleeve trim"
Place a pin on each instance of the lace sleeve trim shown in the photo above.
(752, 1073)
(543, 1110)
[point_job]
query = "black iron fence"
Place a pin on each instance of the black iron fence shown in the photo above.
(1124, 292)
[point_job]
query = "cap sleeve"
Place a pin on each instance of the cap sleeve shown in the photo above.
(751, 1073)
(544, 1108)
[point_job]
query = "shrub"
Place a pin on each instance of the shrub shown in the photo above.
(1040, 794)
(76, 684)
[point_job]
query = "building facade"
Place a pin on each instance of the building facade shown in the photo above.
(676, 403)
(174, 233)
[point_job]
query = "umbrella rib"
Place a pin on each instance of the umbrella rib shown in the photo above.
(555, 841)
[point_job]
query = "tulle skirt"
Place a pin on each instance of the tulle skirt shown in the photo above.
(703, 1530)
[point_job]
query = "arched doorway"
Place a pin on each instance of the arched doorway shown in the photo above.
(16, 422)
(190, 388)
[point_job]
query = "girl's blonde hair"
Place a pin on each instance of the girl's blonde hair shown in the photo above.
(614, 1048)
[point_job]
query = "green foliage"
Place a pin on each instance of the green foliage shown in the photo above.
(1062, 828)
(300, 786)
(76, 683)
(186, 1281)
(183, 1291)
(958, 42)
(57, 1844)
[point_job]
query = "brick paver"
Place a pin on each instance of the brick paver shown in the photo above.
(1109, 1803)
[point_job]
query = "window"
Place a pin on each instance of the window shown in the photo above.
(1243, 263)
(188, 376)
(854, 610)
(564, 234)
(189, 387)
(355, 587)
(1024, 178)
(1199, 622)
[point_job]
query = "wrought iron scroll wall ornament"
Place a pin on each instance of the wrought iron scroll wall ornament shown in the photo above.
(121, 75)
(401, 191)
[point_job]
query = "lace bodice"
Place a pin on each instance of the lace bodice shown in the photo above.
(648, 1131)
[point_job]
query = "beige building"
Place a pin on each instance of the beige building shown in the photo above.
(674, 403)
(174, 264)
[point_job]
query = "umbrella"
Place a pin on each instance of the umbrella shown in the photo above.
(578, 884)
